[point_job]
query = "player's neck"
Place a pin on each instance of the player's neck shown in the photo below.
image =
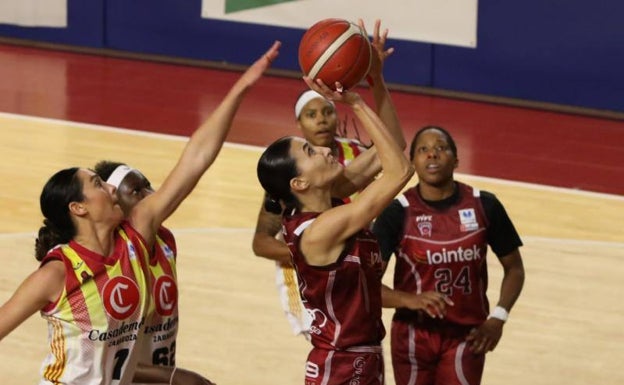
(315, 200)
(334, 148)
(436, 193)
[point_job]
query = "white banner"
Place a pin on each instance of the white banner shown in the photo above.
(34, 13)
(452, 22)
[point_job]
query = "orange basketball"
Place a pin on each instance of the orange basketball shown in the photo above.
(335, 50)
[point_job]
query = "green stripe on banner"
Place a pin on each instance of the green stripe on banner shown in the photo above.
(241, 5)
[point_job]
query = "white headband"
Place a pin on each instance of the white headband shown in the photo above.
(118, 175)
(305, 98)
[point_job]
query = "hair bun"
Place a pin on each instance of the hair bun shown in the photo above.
(272, 205)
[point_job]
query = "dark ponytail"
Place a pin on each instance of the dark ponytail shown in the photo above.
(272, 205)
(275, 170)
(63, 188)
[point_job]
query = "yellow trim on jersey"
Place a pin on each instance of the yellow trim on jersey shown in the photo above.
(80, 310)
(170, 260)
(54, 372)
(96, 310)
(294, 301)
(347, 150)
(157, 269)
(129, 244)
(348, 154)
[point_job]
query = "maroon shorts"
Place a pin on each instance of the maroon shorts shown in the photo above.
(331, 367)
(426, 355)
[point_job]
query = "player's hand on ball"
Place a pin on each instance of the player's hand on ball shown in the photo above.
(338, 95)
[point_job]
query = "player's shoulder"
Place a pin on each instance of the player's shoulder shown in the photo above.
(396, 208)
(483, 195)
(296, 219)
(491, 204)
(487, 195)
(165, 234)
(407, 198)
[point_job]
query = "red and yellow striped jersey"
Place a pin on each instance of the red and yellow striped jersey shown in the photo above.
(95, 328)
(161, 327)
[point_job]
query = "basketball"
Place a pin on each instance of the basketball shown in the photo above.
(335, 50)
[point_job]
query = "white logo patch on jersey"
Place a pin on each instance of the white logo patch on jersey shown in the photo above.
(468, 220)
(121, 297)
(165, 295)
(424, 226)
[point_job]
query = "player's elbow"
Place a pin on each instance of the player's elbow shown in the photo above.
(517, 272)
(405, 172)
(262, 245)
(402, 143)
(257, 245)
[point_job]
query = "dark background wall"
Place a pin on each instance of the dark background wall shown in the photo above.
(565, 52)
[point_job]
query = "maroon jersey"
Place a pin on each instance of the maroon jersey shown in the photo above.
(444, 251)
(287, 285)
(343, 298)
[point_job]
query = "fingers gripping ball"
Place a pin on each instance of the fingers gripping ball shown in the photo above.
(335, 50)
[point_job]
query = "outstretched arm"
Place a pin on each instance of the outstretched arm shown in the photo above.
(367, 165)
(383, 101)
(199, 153)
(42, 286)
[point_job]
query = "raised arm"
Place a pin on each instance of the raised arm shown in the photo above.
(324, 239)
(199, 153)
(367, 165)
(383, 102)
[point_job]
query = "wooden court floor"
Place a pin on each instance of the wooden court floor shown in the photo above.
(565, 329)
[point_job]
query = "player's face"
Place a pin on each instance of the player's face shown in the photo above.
(100, 200)
(433, 159)
(315, 164)
(318, 122)
(132, 189)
